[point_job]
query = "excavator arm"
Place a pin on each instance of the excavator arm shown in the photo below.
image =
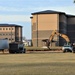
(63, 36)
(58, 34)
(50, 39)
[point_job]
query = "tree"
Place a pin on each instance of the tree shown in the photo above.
(74, 1)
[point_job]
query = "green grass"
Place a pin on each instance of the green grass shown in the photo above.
(37, 64)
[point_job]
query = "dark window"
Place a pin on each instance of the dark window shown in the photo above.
(12, 28)
(12, 39)
(6, 34)
(12, 34)
(9, 39)
(3, 28)
(9, 28)
(6, 28)
(3, 34)
(0, 28)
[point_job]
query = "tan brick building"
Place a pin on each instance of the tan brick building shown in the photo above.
(11, 31)
(44, 22)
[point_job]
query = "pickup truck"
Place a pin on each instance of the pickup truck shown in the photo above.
(67, 48)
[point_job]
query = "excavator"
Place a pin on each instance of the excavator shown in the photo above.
(66, 47)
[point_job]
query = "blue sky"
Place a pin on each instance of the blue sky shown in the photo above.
(19, 11)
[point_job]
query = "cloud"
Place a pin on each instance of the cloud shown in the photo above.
(26, 18)
(14, 18)
(2, 8)
(66, 9)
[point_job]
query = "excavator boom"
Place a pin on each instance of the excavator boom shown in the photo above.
(58, 34)
(63, 36)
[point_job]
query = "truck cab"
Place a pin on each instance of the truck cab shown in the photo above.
(67, 48)
(16, 47)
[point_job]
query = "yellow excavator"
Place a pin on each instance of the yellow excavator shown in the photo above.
(66, 47)
(58, 34)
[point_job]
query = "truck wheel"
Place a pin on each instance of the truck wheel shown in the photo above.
(11, 52)
(24, 51)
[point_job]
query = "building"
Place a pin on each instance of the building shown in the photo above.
(11, 31)
(44, 22)
(27, 42)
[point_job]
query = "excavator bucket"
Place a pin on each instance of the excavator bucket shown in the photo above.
(48, 44)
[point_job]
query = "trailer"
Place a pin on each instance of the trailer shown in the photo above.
(4, 44)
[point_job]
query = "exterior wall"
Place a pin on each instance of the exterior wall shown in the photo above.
(47, 21)
(34, 30)
(18, 34)
(44, 24)
(71, 28)
(9, 32)
(62, 28)
(42, 27)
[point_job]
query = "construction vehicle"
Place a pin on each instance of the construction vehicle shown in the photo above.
(16, 47)
(67, 47)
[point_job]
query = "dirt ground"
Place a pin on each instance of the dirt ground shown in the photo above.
(35, 51)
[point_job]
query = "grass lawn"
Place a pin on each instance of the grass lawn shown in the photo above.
(37, 64)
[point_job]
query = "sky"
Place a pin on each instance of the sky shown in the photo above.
(19, 11)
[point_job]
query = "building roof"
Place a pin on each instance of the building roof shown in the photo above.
(48, 12)
(8, 25)
(51, 12)
(68, 15)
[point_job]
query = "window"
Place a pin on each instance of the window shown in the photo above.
(12, 34)
(12, 39)
(6, 28)
(12, 28)
(6, 34)
(9, 39)
(9, 28)
(3, 28)
(3, 34)
(0, 28)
